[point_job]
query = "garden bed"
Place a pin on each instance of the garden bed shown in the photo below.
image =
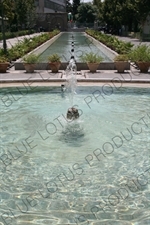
(112, 42)
(27, 45)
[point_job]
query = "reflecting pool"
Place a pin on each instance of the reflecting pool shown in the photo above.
(95, 170)
(63, 45)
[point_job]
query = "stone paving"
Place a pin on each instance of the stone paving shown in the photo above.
(82, 76)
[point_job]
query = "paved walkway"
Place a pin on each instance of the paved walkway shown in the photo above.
(134, 41)
(12, 41)
(132, 76)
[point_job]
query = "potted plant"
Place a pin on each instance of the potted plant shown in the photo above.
(3, 64)
(29, 62)
(141, 56)
(54, 62)
(93, 60)
(121, 62)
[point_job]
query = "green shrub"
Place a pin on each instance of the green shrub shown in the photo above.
(54, 58)
(3, 59)
(121, 57)
(140, 53)
(91, 58)
(27, 45)
(31, 58)
(111, 41)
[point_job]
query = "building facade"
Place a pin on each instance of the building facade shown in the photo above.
(51, 14)
(50, 6)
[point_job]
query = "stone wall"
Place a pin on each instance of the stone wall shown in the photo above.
(50, 21)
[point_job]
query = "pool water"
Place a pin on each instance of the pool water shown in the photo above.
(95, 170)
(63, 45)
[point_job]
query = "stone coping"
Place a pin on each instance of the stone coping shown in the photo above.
(79, 84)
(82, 76)
(106, 50)
(78, 80)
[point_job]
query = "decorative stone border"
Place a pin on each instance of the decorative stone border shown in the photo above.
(103, 48)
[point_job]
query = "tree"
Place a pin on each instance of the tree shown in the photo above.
(6, 14)
(129, 12)
(31, 13)
(6, 7)
(75, 6)
(99, 4)
(68, 6)
(20, 13)
(86, 13)
(112, 14)
(24, 13)
(142, 10)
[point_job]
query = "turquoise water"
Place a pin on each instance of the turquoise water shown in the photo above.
(95, 170)
(63, 46)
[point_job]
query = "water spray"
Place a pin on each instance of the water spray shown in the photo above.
(71, 83)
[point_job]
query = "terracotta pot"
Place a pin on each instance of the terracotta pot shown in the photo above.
(120, 66)
(29, 67)
(143, 66)
(93, 67)
(3, 67)
(54, 66)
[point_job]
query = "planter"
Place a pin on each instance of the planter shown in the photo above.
(54, 66)
(29, 67)
(141, 56)
(93, 67)
(3, 67)
(143, 66)
(120, 66)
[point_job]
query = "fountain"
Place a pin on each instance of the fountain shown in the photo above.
(72, 113)
(54, 172)
(71, 173)
(71, 83)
